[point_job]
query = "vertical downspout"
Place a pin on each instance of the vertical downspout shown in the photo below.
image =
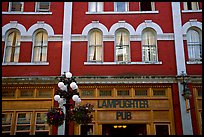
(66, 51)
(181, 66)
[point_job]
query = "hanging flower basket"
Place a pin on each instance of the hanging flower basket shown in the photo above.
(82, 114)
(55, 116)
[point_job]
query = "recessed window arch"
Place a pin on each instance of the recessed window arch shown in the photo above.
(40, 45)
(12, 46)
(122, 45)
(95, 46)
(149, 45)
(194, 42)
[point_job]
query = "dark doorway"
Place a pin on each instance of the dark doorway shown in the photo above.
(124, 129)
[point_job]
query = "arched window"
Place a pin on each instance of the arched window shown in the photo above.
(122, 46)
(12, 45)
(149, 45)
(40, 44)
(194, 45)
(95, 52)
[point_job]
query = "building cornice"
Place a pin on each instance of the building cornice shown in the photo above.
(83, 80)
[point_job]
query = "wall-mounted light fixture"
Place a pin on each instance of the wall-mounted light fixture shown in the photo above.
(186, 92)
(120, 126)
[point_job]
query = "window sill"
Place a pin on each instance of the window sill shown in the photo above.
(128, 12)
(122, 63)
(191, 11)
(24, 64)
(194, 62)
(29, 13)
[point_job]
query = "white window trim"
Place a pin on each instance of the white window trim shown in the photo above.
(124, 63)
(26, 13)
(126, 7)
(194, 62)
(22, 9)
(127, 12)
(36, 7)
(26, 64)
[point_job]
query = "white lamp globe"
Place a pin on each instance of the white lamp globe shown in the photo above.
(68, 75)
(73, 85)
(78, 100)
(57, 97)
(75, 97)
(60, 85)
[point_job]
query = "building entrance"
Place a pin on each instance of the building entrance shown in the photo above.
(124, 129)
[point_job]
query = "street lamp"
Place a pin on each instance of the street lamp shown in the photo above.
(67, 90)
(186, 92)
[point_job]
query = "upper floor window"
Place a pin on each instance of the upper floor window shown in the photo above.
(40, 44)
(16, 6)
(43, 6)
(95, 6)
(194, 45)
(121, 6)
(12, 46)
(95, 45)
(122, 45)
(191, 6)
(147, 6)
(149, 47)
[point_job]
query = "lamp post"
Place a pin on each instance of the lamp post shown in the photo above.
(67, 91)
(186, 92)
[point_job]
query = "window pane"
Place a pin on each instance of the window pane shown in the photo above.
(140, 92)
(40, 46)
(87, 93)
(27, 93)
(23, 118)
(16, 6)
(86, 130)
(105, 93)
(145, 6)
(12, 46)
(162, 130)
(95, 46)
(43, 6)
(41, 118)
(6, 93)
(159, 93)
(6, 118)
(199, 90)
(120, 6)
(122, 45)
(44, 93)
(123, 92)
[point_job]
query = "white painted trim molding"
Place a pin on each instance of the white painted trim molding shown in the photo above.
(94, 24)
(191, 23)
(121, 24)
(14, 25)
(41, 25)
(148, 24)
